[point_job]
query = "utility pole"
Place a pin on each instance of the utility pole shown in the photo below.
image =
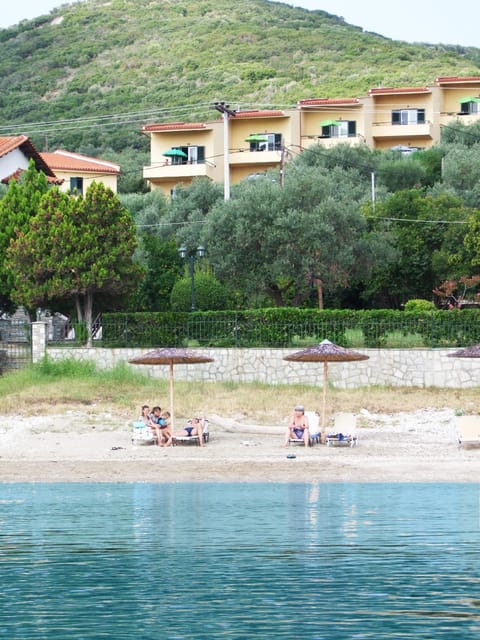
(225, 110)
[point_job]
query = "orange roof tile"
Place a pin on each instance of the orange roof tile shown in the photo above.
(327, 101)
(22, 142)
(16, 175)
(394, 90)
(67, 161)
(456, 79)
(174, 126)
(259, 113)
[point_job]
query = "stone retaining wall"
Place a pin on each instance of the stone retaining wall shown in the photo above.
(385, 367)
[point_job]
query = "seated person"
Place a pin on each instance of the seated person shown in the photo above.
(145, 416)
(194, 427)
(166, 432)
(160, 426)
(298, 429)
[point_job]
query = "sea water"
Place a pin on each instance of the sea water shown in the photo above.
(251, 561)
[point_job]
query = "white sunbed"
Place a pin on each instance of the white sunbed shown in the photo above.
(468, 431)
(344, 432)
(141, 434)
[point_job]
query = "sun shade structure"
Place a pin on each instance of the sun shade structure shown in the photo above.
(256, 137)
(170, 357)
(467, 352)
(325, 352)
(469, 99)
(330, 123)
(175, 153)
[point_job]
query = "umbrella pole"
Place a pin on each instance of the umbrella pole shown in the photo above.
(171, 395)
(324, 403)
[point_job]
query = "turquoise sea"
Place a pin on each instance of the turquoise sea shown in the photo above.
(250, 561)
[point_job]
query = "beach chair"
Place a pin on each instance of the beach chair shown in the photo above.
(313, 428)
(141, 434)
(468, 431)
(344, 432)
(185, 439)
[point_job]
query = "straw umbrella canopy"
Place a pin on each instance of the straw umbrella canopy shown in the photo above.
(325, 352)
(467, 352)
(170, 356)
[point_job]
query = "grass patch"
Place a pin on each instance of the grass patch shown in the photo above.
(51, 387)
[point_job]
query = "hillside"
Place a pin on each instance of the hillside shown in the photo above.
(169, 60)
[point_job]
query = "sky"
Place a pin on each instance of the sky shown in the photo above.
(434, 21)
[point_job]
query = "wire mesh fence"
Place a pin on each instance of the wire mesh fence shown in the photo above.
(441, 329)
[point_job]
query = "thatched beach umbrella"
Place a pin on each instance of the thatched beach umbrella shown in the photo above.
(467, 352)
(325, 352)
(170, 356)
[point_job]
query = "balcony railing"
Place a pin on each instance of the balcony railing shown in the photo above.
(174, 171)
(389, 130)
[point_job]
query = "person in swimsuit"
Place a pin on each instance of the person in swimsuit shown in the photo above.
(298, 429)
(194, 427)
(166, 434)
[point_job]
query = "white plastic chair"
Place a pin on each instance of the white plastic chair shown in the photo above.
(468, 431)
(141, 434)
(313, 428)
(344, 432)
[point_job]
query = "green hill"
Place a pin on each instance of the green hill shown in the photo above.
(97, 71)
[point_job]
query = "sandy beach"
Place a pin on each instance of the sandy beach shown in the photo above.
(79, 446)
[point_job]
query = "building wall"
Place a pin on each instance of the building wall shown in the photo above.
(12, 161)
(108, 180)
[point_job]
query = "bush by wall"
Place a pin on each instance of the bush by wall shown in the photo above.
(287, 327)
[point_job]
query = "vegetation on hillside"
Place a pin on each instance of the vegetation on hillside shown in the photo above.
(92, 73)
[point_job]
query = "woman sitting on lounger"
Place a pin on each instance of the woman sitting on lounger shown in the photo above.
(298, 429)
(194, 427)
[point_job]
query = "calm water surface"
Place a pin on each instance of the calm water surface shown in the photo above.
(256, 561)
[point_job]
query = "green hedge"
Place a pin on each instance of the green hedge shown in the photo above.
(289, 327)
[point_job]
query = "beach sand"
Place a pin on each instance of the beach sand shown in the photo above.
(87, 446)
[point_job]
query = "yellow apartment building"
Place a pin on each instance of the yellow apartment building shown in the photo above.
(403, 118)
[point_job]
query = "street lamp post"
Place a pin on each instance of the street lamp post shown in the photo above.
(191, 255)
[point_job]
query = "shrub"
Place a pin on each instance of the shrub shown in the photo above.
(210, 294)
(419, 305)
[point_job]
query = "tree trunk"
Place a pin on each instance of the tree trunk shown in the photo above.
(87, 314)
(319, 286)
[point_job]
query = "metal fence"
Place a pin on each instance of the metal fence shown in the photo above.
(15, 344)
(407, 331)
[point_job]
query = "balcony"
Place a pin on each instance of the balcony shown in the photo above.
(159, 172)
(255, 158)
(328, 143)
(389, 130)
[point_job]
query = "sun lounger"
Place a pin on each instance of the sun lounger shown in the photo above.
(468, 431)
(185, 439)
(141, 434)
(344, 432)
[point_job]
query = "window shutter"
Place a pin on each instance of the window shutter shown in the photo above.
(352, 128)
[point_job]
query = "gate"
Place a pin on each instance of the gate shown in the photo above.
(15, 344)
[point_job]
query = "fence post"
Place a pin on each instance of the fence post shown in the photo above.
(39, 340)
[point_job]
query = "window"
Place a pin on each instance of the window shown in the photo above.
(470, 107)
(408, 116)
(193, 155)
(272, 142)
(76, 185)
(343, 129)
